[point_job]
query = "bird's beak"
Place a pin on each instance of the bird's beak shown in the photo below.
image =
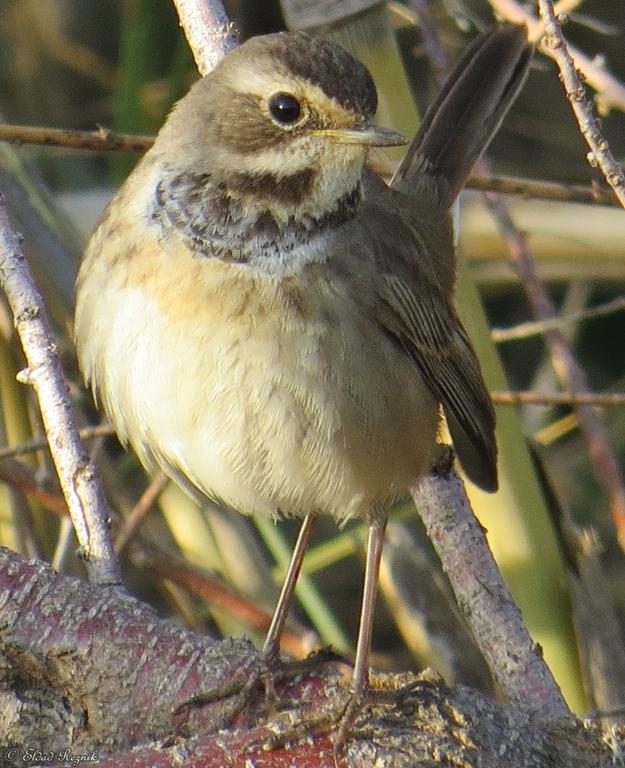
(369, 134)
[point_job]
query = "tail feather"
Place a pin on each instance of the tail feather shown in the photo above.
(468, 111)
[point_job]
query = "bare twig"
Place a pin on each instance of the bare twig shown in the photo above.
(610, 90)
(435, 49)
(78, 57)
(23, 478)
(213, 591)
(596, 399)
(209, 31)
(78, 479)
(99, 140)
(543, 190)
(513, 657)
(140, 510)
(104, 140)
(569, 371)
(536, 327)
(600, 154)
(37, 444)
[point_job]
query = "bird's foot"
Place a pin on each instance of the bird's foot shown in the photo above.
(256, 688)
(301, 723)
(342, 706)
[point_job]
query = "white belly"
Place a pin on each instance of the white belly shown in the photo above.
(262, 405)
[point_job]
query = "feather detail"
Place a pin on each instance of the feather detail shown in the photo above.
(432, 335)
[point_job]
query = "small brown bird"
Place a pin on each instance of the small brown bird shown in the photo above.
(268, 322)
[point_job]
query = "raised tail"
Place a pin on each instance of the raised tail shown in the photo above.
(465, 116)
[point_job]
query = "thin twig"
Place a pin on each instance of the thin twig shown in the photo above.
(209, 31)
(610, 90)
(596, 399)
(600, 154)
(140, 510)
(104, 140)
(543, 190)
(215, 593)
(24, 479)
(536, 327)
(77, 476)
(99, 141)
(39, 443)
(435, 49)
(570, 373)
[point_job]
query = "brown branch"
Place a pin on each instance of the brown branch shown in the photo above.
(610, 90)
(543, 190)
(104, 140)
(536, 327)
(214, 592)
(514, 659)
(23, 478)
(79, 57)
(99, 141)
(596, 399)
(137, 514)
(64, 641)
(79, 482)
(600, 154)
(439, 60)
(209, 31)
(37, 444)
(570, 373)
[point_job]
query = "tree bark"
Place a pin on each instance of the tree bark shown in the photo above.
(95, 672)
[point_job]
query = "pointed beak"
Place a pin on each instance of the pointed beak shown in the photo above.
(369, 134)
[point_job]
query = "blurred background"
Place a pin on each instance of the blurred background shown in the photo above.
(80, 64)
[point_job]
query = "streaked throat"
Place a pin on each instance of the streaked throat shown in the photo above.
(252, 215)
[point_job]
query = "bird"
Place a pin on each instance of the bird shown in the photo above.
(268, 322)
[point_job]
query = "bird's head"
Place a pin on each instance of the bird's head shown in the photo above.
(285, 121)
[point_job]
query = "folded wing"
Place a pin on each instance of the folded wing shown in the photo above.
(428, 329)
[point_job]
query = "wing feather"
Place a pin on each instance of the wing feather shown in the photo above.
(431, 333)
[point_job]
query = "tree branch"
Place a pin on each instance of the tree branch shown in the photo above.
(79, 482)
(209, 31)
(600, 154)
(570, 373)
(90, 670)
(513, 657)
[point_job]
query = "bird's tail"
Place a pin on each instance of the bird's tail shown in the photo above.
(468, 111)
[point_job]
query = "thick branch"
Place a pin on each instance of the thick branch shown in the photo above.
(513, 657)
(89, 669)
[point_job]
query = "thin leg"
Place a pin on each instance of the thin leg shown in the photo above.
(271, 648)
(360, 676)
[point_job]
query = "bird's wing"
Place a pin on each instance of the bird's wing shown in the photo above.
(427, 327)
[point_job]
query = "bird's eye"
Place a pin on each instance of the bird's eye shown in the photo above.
(284, 108)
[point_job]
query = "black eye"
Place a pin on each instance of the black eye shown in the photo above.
(284, 108)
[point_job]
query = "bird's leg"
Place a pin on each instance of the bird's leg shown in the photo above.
(360, 675)
(271, 647)
(265, 671)
(337, 710)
